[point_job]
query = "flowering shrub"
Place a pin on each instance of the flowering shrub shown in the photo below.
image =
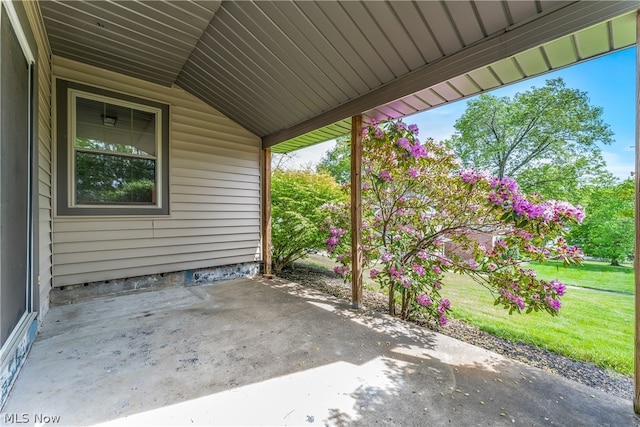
(415, 198)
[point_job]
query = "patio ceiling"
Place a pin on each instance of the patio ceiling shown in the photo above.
(294, 73)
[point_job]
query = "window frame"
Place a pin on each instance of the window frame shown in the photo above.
(67, 93)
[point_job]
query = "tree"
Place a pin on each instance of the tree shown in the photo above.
(414, 198)
(545, 138)
(337, 161)
(608, 230)
(112, 173)
(296, 199)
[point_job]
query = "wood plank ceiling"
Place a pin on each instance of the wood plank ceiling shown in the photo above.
(294, 72)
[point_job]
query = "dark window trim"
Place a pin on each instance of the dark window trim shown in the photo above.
(63, 207)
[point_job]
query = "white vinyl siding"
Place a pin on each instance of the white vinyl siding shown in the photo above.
(214, 196)
(44, 182)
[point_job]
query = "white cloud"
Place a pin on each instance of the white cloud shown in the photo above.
(310, 156)
(619, 165)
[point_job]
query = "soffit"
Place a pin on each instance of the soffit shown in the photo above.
(150, 40)
(294, 72)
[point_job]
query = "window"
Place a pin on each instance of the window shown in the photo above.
(112, 153)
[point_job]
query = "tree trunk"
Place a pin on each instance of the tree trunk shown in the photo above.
(392, 302)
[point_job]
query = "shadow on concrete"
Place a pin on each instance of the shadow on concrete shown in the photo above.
(261, 352)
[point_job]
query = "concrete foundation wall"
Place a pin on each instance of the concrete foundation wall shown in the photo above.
(110, 288)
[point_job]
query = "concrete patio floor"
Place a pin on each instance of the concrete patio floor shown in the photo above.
(269, 352)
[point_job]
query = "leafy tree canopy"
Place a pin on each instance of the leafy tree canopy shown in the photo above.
(545, 138)
(608, 229)
(337, 161)
(296, 200)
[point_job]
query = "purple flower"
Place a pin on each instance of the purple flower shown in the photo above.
(553, 303)
(405, 282)
(413, 172)
(373, 273)
(342, 270)
(445, 303)
(443, 320)
(395, 272)
(418, 269)
(337, 232)
(385, 176)
(418, 151)
(404, 143)
(423, 300)
(386, 257)
(414, 129)
(436, 269)
(559, 287)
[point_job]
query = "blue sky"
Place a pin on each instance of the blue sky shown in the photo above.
(609, 82)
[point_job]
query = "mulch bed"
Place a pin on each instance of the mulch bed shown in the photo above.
(591, 375)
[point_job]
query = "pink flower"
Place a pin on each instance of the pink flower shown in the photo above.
(373, 273)
(553, 303)
(386, 257)
(418, 151)
(443, 320)
(436, 269)
(423, 300)
(385, 176)
(404, 143)
(395, 272)
(418, 269)
(342, 270)
(559, 287)
(413, 172)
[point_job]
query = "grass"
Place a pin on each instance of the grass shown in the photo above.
(593, 327)
(591, 274)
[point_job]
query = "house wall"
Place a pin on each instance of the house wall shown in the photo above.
(43, 271)
(214, 196)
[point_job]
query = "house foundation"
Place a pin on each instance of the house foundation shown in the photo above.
(111, 288)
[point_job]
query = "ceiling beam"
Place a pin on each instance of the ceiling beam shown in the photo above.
(561, 22)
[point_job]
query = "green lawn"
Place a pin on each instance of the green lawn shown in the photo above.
(592, 326)
(591, 274)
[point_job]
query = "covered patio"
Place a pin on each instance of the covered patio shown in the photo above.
(226, 83)
(271, 352)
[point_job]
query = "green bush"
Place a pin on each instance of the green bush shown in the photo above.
(296, 199)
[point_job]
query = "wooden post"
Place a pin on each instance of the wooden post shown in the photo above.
(266, 213)
(636, 258)
(356, 211)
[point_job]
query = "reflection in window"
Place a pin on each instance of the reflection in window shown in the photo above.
(115, 154)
